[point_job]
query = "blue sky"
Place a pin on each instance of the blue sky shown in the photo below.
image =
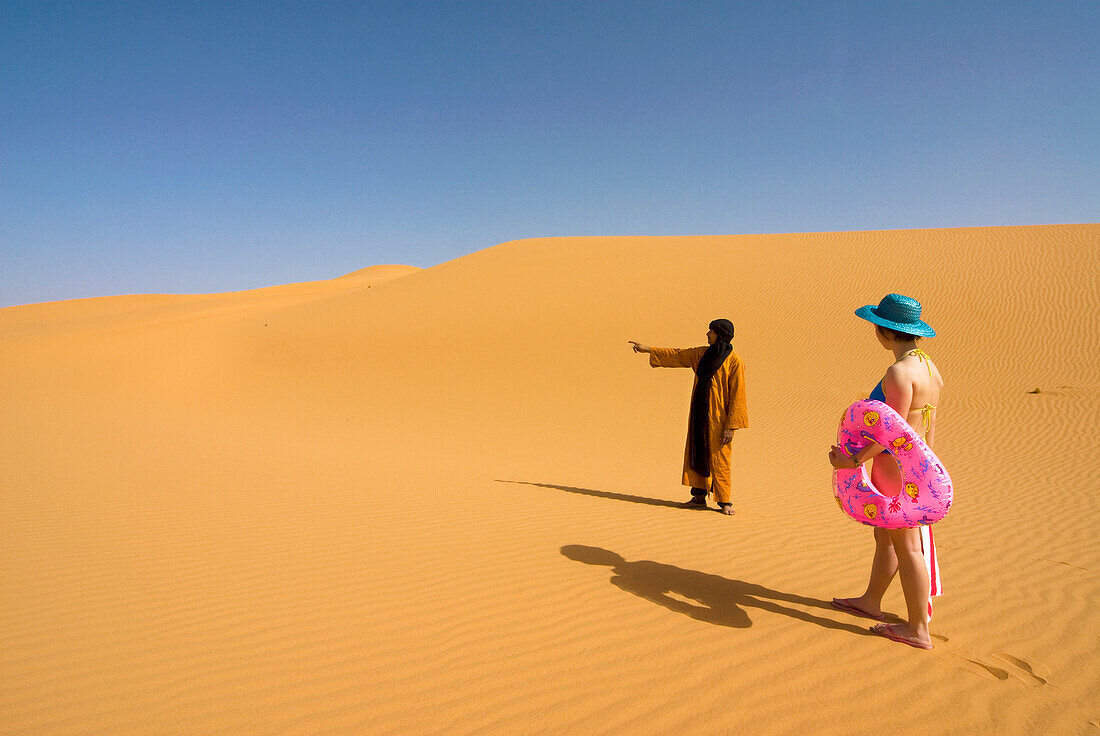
(199, 147)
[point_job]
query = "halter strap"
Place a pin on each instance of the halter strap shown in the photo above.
(922, 357)
(927, 409)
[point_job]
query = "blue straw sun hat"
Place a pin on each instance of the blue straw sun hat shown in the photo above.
(899, 313)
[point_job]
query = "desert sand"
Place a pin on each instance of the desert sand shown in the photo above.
(443, 500)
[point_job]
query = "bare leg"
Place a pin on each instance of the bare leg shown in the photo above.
(914, 583)
(883, 568)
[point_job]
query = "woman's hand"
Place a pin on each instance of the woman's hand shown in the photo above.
(640, 348)
(727, 436)
(840, 461)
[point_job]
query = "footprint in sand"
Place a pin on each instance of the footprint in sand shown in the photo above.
(1025, 669)
(1003, 666)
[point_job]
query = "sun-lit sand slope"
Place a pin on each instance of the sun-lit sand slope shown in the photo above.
(442, 501)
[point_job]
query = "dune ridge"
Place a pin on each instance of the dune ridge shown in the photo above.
(444, 504)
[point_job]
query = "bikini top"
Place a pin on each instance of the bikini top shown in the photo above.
(927, 409)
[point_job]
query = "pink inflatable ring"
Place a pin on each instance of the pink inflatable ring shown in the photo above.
(927, 491)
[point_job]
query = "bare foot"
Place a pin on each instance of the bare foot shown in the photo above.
(693, 504)
(727, 510)
(902, 634)
(857, 607)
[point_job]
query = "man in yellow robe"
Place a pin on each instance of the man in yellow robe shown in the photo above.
(718, 408)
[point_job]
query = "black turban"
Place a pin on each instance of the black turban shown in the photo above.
(723, 328)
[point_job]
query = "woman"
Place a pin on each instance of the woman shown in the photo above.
(912, 387)
(717, 410)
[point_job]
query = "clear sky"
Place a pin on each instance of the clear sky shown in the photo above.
(199, 147)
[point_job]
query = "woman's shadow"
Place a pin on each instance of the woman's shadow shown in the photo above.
(711, 598)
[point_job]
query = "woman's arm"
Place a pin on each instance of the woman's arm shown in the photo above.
(898, 390)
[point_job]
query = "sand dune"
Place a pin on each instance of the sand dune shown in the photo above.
(378, 274)
(411, 501)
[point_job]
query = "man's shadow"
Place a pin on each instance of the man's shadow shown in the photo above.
(710, 598)
(603, 494)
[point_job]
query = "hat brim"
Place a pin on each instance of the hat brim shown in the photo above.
(920, 328)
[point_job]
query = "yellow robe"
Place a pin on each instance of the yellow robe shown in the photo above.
(727, 410)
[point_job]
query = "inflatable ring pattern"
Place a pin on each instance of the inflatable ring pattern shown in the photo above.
(926, 493)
